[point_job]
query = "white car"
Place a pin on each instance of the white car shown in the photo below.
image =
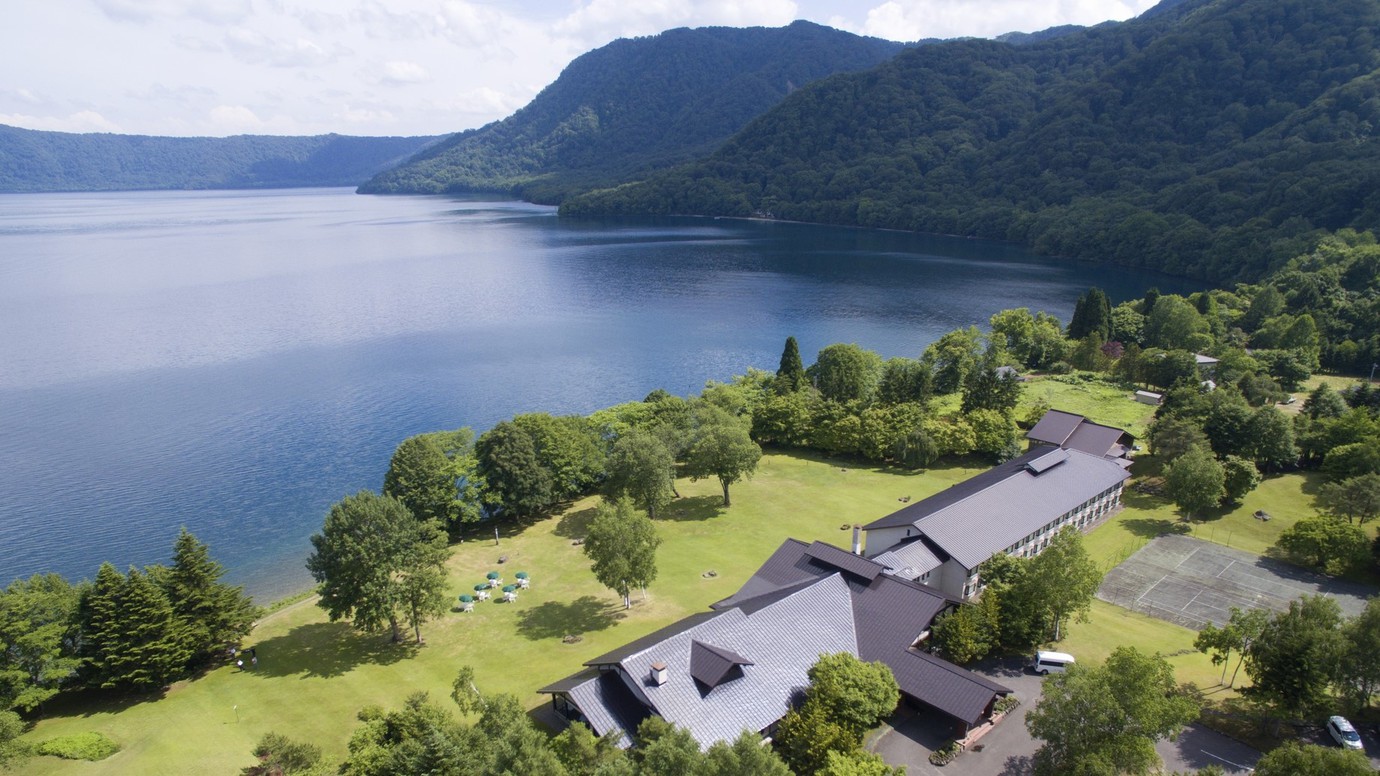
(1344, 733)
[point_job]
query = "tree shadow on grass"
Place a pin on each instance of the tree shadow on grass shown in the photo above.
(325, 650)
(553, 619)
(575, 525)
(88, 703)
(1154, 527)
(692, 508)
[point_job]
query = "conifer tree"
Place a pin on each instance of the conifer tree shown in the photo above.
(100, 616)
(213, 614)
(790, 376)
(152, 641)
(1092, 313)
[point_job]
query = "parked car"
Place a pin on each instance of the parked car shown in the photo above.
(1045, 662)
(1344, 733)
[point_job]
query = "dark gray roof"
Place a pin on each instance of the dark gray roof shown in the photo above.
(608, 705)
(986, 514)
(916, 511)
(1065, 429)
(845, 560)
(711, 665)
(1055, 427)
(741, 666)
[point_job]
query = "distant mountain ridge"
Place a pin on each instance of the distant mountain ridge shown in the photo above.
(1210, 138)
(32, 160)
(633, 106)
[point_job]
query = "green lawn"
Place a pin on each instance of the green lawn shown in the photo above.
(1095, 398)
(314, 676)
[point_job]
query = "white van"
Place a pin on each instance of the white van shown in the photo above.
(1046, 662)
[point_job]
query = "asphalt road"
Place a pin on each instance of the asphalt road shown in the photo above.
(1008, 748)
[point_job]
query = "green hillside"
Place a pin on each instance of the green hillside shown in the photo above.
(1211, 138)
(635, 105)
(62, 161)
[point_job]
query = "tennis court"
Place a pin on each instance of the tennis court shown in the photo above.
(1191, 582)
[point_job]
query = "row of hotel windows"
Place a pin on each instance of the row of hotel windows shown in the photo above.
(1079, 517)
(1033, 544)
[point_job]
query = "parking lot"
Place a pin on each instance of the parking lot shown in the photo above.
(1191, 582)
(1007, 750)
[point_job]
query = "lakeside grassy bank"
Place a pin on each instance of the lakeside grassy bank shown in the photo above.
(314, 676)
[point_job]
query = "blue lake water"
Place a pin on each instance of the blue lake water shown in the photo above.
(236, 362)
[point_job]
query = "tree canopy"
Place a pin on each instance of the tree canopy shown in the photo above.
(621, 544)
(379, 566)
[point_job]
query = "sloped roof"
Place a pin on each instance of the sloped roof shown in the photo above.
(1055, 427)
(608, 705)
(845, 560)
(711, 665)
(909, 560)
(766, 689)
(986, 514)
(1065, 429)
(804, 608)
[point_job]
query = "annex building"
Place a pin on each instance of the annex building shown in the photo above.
(742, 665)
(1072, 476)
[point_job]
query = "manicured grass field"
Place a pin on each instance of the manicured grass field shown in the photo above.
(314, 676)
(1095, 398)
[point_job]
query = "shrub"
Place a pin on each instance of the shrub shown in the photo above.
(945, 754)
(90, 745)
(1004, 704)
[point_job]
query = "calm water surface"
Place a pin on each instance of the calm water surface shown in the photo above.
(235, 362)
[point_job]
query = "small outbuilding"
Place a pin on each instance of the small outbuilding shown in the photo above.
(1149, 397)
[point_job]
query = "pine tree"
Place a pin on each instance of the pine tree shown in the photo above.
(100, 618)
(212, 614)
(151, 647)
(790, 376)
(1092, 313)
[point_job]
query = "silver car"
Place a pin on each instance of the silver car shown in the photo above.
(1344, 733)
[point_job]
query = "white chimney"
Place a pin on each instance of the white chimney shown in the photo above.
(857, 539)
(659, 675)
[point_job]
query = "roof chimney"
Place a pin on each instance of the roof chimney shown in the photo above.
(659, 675)
(857, 539)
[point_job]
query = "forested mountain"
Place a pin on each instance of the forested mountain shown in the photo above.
(1211, 138)
(61, 161)
(633, 106)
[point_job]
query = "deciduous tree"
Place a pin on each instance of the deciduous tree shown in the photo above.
(1353, 498)
(517, 480)
(1239, 477)
(1325, 543)
(621, 544)
(1195, 481)
(1294, 759)
(379, 566)
(722, 449)
(39, 629)
(1295, 657)
(643, 469)
(1066, 578)
(1359, 670)
(846, 372)
(1096, 719)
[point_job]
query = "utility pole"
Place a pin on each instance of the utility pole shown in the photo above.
(1372, 373)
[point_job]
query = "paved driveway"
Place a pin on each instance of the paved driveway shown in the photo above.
(1007, 750)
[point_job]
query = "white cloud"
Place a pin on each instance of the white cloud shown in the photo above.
(210, 11)
(81, 121)
(916, 19)
(366, 116)
(234, 118)
(255, 48)
(484, 101)
(402, 72)
(600, 21)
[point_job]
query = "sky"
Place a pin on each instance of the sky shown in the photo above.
(387, 67)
